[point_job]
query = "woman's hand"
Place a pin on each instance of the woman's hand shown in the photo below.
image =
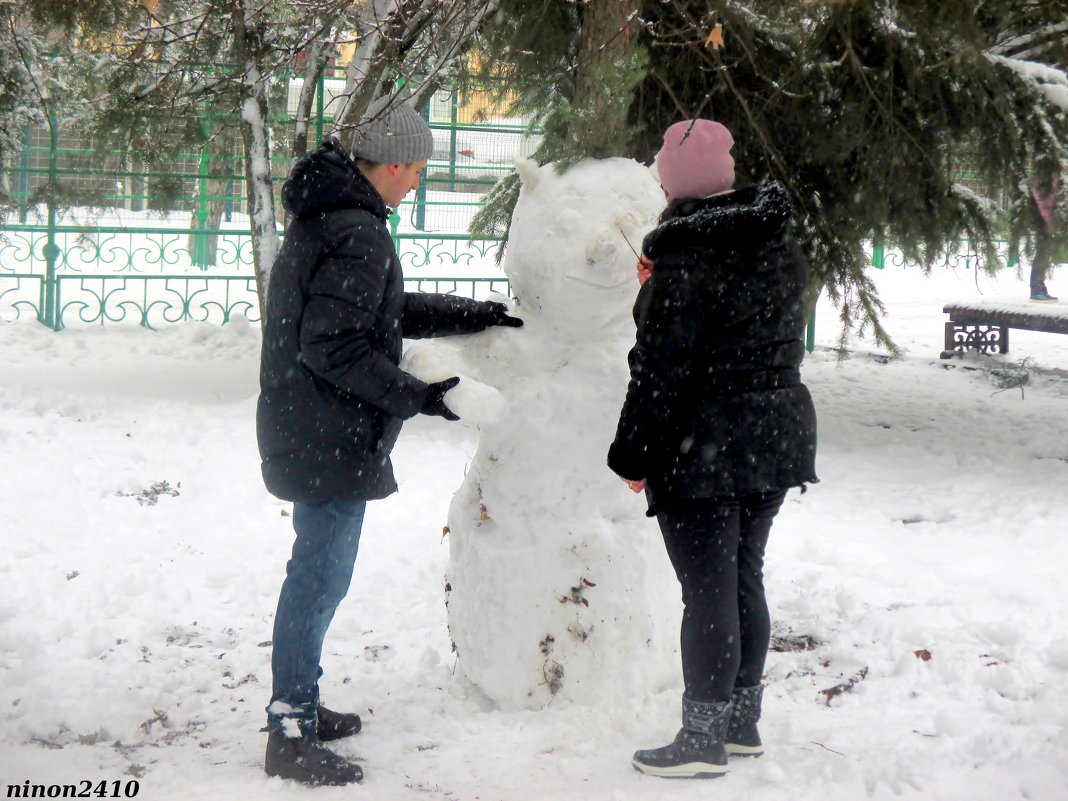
(645, 269)
(636, 485)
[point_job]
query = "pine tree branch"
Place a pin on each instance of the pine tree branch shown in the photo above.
(670, 89)
(31, 72)
(1022, 45)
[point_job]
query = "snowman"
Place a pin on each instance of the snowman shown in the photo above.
(559, 587)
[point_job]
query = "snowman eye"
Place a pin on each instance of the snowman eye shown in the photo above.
(602, 250)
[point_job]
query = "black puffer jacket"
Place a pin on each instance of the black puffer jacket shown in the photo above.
(715, 405)
(332, 397)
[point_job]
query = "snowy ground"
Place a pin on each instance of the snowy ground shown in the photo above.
(133, 635)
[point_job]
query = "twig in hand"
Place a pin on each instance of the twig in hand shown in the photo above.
(629, 245)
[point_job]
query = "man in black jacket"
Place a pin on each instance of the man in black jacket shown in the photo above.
(333, 399)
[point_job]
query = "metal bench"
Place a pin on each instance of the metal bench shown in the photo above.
(984, 327)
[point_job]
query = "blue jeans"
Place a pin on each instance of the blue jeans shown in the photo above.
(317, 578)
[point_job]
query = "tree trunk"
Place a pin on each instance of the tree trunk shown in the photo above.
(212, 223)
(389, 30)
(259, 190)
(366, 68)
(257, 146)
(318, 58)
(608, 38)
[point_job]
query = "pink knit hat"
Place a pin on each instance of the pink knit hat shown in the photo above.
(695, 160)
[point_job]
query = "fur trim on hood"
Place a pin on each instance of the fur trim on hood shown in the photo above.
(755, 213)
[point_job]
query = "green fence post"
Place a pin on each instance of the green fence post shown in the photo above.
(420, 193)
(810, 333)
(228, 204)
(394, 223)
(48, 313)
(201, 256)
(24, 174)
(878, 254)
(454, 118)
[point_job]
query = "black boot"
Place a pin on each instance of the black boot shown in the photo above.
(743, 739)
(698, 751)
(331, 725)
(307, 761)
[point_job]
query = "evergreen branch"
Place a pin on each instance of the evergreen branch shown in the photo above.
(782, 173)
(170, 27)
(26, 62)
(1021, 45)
(888, 116)
(670, 89)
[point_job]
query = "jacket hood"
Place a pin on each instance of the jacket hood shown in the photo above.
(328, 180)
(753, 214)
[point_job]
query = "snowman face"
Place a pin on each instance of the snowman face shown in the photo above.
(568, 253)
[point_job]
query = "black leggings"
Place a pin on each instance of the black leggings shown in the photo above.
(717, 549)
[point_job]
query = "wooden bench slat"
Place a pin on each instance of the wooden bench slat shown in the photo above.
(1048, 319)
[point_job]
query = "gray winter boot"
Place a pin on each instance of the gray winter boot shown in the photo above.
(742, 736)
(698, 751)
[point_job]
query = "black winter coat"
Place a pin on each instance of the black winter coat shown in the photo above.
(715, 405)
(332, 397)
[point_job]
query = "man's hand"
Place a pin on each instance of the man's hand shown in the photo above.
(636, 485)
(435, 398)
(498, 315)
(645, 269)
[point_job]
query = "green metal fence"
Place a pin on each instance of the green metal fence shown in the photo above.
(79, 274)
(124, 260)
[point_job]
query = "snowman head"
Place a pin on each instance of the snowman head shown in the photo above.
(568, 254)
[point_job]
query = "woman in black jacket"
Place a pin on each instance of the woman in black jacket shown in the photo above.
(716, 426)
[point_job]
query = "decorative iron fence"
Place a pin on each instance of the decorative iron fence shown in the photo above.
(124, 260)
(155, 300)
(112, 274)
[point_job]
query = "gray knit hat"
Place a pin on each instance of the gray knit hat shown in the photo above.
(392, 132)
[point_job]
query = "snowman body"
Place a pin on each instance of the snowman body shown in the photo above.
(559, 587)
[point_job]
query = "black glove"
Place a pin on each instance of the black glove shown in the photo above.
(435, 398)
(497, 314)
